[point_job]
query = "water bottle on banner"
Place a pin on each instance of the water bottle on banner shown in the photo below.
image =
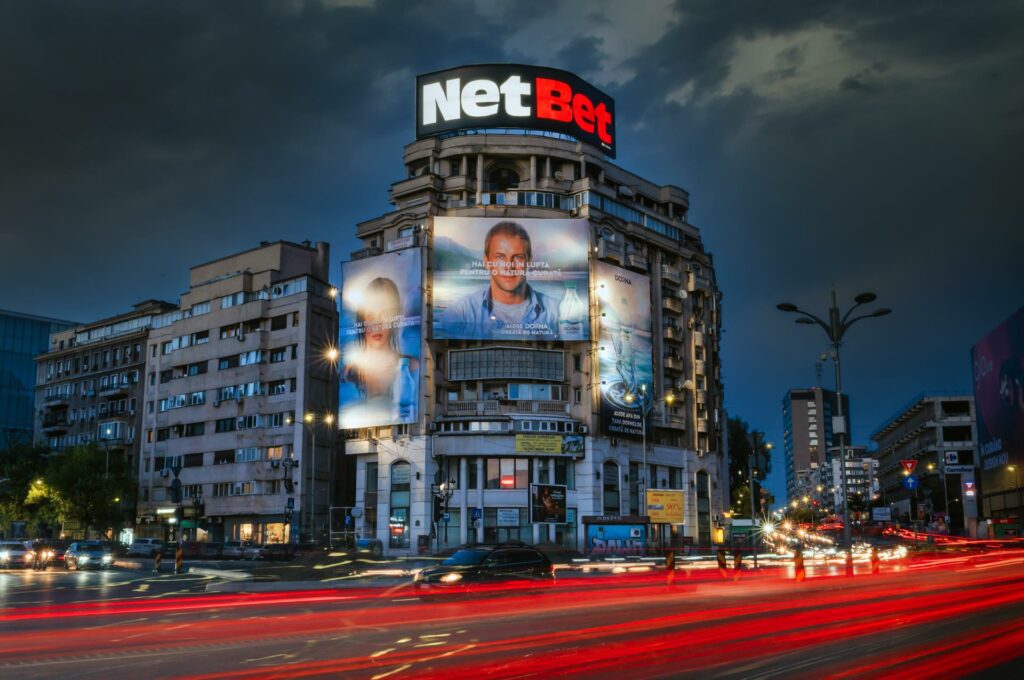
(571, 314)
(404, 391)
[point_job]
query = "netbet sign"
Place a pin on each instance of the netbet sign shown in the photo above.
(513, 96)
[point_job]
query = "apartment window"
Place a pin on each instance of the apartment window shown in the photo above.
(229, 331)
(249, 422)
(278, 355)
(197, 398)
(225, 425)
(195, 429)
(505, 363)
(197, 368)
(223, 457)
(279, 323)
(248, 454)
(249, 358)
(163, 434)
(275, 420)
(228, 362)
(565, 473)
(193, 460)
(275, 452)
(278, 387)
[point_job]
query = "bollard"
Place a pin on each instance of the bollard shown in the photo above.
(849, 562)
(737, 564)
(798, 563)
(874, 560)
(723, 569)
(179, 557)
(158, 557)
(670, 567)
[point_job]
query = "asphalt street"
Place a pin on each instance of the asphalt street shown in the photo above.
(943, 617)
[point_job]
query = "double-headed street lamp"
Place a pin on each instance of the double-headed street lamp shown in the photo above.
(310, 421)
(836, 328)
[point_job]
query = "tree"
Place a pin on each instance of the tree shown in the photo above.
(20, 466)
(740, 447)
(86, 493)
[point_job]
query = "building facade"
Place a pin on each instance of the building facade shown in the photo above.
(938, 433)
(862, 486)
(807, 434)
(570, 343)
(239, 397)
(89, 383)
(22, 338)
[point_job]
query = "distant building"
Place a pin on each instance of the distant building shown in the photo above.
(998, 361)
(22, 338)
(861, 477)
(231, 373)
(937, 432)
(807, 432)
(89, 383)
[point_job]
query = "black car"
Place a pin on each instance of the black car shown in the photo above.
(488, 564)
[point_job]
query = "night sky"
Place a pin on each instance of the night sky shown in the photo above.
(870, 146)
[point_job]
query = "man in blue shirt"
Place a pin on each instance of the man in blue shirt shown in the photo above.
(509, 307)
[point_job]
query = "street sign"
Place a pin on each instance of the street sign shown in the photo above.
(909, 466)
(959, 469)
(478, 513)
(291, 504)
(910, 482)
(446, 517)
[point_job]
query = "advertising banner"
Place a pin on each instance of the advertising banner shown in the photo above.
(998, 361)
(611, 540)
(625, 355)
(665, 506)
(570, 444)
(547, 503)
(502, 279)
(508, 517)
(381, 303)
(881, 514)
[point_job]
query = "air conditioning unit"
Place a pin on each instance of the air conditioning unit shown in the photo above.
(584, 429)
(165, 472)
(417, 228)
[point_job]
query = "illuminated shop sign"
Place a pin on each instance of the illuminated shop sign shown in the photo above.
(514, 96)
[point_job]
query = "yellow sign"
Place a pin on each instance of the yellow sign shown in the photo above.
(665, 507)
(538, 443)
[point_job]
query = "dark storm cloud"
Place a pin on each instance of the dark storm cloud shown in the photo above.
(866, 145)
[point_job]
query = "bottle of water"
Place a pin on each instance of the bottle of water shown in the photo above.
(571, 311)
(404, 391)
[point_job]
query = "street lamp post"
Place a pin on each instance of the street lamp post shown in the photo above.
(645, 410)
(310, 421)
(1020, 511)
(751, 471)
(836, 328)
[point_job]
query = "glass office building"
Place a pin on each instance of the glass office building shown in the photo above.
(22, 337)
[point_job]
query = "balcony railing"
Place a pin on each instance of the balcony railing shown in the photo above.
(674, 333)
(698, 367)
(494, 407)
(674, 364)
(636, 261)
(672, 304)
(671, 275)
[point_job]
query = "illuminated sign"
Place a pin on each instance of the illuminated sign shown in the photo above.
(665, 506)
(514, 96)
(550, 443)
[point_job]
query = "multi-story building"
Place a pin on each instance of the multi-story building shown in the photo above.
(22, 338)
(862, 486)
(938, 433)
(239, 400)
(570, 343)
(807, 432)
(89, 383)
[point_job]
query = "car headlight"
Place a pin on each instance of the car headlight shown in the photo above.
(83, 558)
(108, 558)
(451, 578)
(5, 555)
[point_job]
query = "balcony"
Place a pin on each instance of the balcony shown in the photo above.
(702, 396)
(673, 333)
(115, 390)
(698, 339)
(636, 261)
(671, 275)
(56, 400)
(673, 364)
(493, 407)
(698, 367)
(702, 425)
(672, 304)
(55, 425)
(610, 250)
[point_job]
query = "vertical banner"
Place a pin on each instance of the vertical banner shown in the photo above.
(625, 348)
(380, 340)
(547, 503)
(511, 279)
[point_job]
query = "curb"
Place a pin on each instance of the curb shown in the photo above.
(227, 574)
(281, 586)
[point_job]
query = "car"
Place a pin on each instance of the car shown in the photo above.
(211, 550)
(270, 551)
(57, 550)
(15, 554)
(370, 546)
(234, 550)
(488, 564)
(89, 554)
(145, 547)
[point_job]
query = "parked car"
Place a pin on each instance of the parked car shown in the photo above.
(14, 554)
(57, 550)
(234, 550)
(371, 546)
(270, 551)
(89, 554)
(488, 563)
(189, 549)
(211, 550)
(145, 547)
